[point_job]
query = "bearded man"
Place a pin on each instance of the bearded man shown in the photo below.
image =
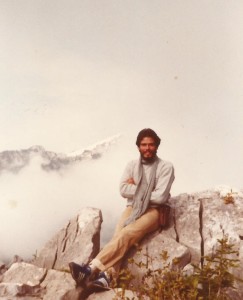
(146, 184)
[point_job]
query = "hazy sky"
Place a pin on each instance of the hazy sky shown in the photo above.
(75, 72)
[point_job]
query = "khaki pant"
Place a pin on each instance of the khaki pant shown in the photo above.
(125, 237)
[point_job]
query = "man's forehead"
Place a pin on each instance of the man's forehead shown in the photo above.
(147, 139)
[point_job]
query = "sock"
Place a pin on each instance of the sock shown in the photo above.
(93, 268)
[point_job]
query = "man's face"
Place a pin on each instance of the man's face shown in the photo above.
(147, 148)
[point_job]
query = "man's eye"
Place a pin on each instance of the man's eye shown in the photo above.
(150, 145)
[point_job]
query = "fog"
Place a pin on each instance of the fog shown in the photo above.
(75, 72)
(35, 204)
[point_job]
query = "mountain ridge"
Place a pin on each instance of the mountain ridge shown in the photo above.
(15, 160)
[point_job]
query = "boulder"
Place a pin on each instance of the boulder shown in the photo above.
(186, 225)
(78, 240)
(22, 279)
(220, 219)
(32, 281)
(56, 284)
(150, 254)
(24, 273)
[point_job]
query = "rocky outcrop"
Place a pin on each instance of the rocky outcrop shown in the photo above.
(27, 280)
(78, 240)
(42, 278)
(197, 222)
(22, 279)
(201, 219)
(149, 256)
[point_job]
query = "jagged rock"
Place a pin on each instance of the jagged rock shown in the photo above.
(149, 254)
(22, 279)
(56, 284)
(201, 218)
(186, 225)
(197, 221)
(220, 219)
(23, 273)
(78, 241)
(26, 279)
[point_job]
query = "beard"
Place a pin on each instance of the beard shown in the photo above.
(149, 158)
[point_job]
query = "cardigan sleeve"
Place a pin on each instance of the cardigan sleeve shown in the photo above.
(161, 193)
(127, 190)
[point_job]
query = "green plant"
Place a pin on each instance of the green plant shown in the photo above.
(229, 199)
(171, 283)
(215, 276)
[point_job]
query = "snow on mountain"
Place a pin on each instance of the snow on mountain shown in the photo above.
(14, 160)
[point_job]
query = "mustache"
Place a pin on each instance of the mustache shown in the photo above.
(142, 154)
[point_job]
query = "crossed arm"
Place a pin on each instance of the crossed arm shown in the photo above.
(161, 192)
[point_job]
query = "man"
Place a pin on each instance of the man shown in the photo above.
(146, 184)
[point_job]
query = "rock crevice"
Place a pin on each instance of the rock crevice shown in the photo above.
(201, 230)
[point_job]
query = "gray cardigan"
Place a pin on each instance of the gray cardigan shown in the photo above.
(164, 179)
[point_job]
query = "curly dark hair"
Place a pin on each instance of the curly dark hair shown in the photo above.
(147, 132)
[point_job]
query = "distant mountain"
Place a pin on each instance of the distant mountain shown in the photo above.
(14, 160)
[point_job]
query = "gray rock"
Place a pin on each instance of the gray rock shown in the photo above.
(56, 284)
(186, 224)
(78, 241)
(197, 222)
(26, 279)
(150, 253)
(10, 291)
(73, 294)
(219, 220)
(22, 279)
(23, 273)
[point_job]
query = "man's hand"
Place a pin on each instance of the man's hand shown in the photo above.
(130, 181)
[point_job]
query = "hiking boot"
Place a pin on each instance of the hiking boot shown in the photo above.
(102, 281)
(79, 272)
